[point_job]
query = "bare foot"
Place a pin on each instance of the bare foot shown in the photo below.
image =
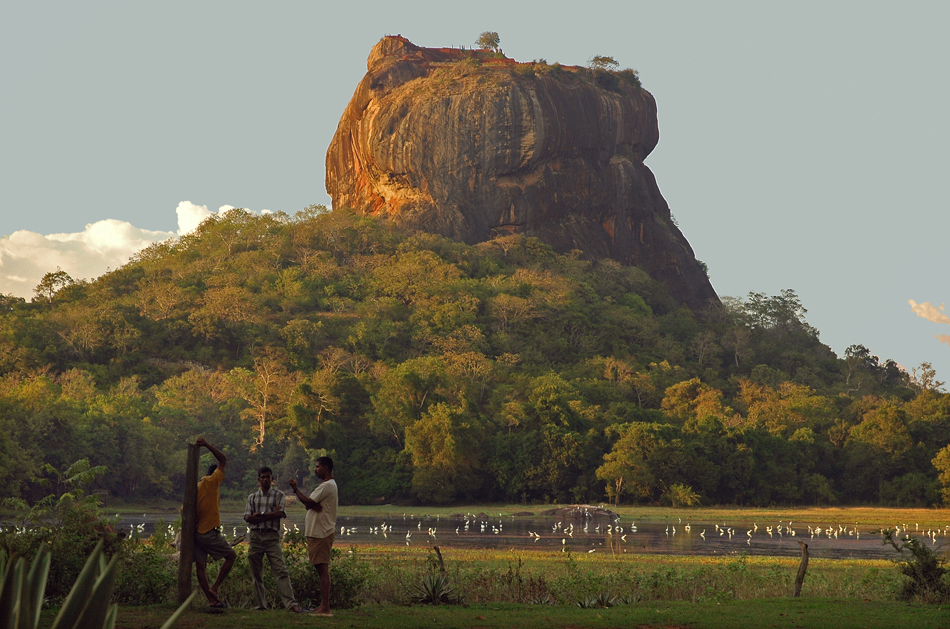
(323, 612)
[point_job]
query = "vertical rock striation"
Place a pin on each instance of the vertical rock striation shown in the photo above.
(472, 146)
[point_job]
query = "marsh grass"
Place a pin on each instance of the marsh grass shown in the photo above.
(495, 576)
(872, 517)
(387, 576)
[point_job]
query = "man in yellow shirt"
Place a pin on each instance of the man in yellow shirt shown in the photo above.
(208, 538)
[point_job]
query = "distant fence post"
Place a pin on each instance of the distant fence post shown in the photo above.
(188, 504)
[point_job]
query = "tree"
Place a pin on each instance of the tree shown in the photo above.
(51, 284)
(489, 40)
(265, 390)
(600, 62)
(942, 463)
(924, 378)
(626, 467)
(444, 445)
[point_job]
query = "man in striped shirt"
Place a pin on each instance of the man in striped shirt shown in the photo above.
(265, 508)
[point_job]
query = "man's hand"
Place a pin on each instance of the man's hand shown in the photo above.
(201, 442)
(293, 484)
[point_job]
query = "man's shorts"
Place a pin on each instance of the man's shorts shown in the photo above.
(211, 543)
(318, 548)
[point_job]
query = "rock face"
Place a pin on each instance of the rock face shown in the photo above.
(472, 146)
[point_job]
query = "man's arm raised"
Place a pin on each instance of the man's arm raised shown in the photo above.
(304, 499)
(222, 460)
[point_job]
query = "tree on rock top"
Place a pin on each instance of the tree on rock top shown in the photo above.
(489, 39)
(600, 62)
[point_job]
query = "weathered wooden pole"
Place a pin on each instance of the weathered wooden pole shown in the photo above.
(441, 563)
(187, 542)
(800, 578)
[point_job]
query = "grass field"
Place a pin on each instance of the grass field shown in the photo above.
(533, 588)
(817, 613)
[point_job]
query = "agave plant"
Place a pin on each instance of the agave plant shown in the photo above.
(603, 599)
(434, 589)
(628, 599)
(21, 594)
(587, 602)
(87, 605)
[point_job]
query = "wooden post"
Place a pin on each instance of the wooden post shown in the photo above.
(800, 578)
(441, 563)
(188, 516)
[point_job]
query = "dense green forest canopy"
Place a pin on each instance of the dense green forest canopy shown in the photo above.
(435, 371)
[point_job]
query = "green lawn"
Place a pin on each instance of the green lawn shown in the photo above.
(819, 613)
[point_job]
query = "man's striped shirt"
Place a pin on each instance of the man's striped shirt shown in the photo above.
(259, 502)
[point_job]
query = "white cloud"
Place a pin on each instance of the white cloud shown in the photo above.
(191, 215)
(25, 256)
(943, 338)
(929, 312)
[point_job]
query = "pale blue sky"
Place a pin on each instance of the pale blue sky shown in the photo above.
(802, 145)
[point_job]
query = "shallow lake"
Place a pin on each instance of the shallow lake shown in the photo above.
(592, 535)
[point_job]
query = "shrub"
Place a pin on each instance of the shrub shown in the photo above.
(926, 577)
(631, 76)
(69, 523)
(350, 576)
(146, 576)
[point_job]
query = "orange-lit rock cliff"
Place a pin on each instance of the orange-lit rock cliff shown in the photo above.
(472, 146)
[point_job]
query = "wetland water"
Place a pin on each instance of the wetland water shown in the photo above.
(592, 535)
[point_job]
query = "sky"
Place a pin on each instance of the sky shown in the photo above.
(802, 145)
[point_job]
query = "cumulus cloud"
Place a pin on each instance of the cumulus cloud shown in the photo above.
(26, 256)
(943, 338)
(929, 312)
(191, 215)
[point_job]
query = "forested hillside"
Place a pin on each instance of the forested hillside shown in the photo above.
(434, 371)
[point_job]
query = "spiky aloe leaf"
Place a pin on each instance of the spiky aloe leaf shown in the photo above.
(109, 622)
(34, 590)
(71, 611)
(10, 585)
(178, 612)
(97, 608)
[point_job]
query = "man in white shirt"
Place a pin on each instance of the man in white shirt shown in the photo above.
(320, 526)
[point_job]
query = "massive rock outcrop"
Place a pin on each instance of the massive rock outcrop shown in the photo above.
(472, 145)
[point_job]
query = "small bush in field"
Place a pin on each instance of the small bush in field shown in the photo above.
(350, 576)
(146, 576)
(927, 578)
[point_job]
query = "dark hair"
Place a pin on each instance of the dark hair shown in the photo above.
(326, 462)
(212, 468)
(261, 471)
